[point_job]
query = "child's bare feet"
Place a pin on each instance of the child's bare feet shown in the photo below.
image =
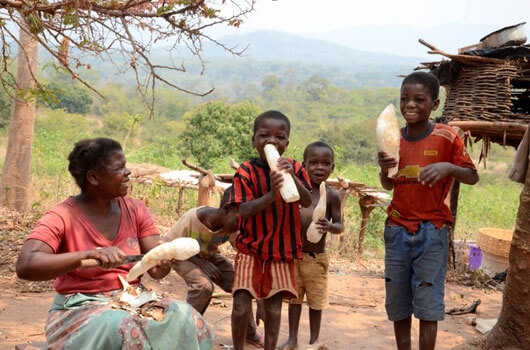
(289, 345)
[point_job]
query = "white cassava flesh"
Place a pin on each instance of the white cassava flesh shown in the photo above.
(181, 248)
(313, 234)
(389, 135)
(288, 190)
(138, 298)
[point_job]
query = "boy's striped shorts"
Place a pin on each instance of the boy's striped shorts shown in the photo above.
(264, 278)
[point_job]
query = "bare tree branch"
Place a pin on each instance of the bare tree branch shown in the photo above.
(130, 28)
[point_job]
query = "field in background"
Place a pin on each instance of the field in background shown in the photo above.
(493, 202)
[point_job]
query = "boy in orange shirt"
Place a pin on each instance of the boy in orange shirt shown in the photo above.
(416, 243)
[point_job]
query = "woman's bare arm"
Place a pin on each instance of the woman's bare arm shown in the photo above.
(38, 262)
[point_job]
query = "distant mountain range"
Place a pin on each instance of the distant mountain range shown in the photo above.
(278, 53)
(353, 57)
(279, 46)
(293, 58)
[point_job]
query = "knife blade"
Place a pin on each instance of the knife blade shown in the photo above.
(133, 258)
(90, 263)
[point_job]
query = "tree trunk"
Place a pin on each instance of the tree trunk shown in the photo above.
(512, 331)
(15, 181)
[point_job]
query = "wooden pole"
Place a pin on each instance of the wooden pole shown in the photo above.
(179, 203)
(344, 193)
(454, 192)
(453, 199)
(194, 167)
(206, 183)
(462, 58)
(367, 204)
(497, 128)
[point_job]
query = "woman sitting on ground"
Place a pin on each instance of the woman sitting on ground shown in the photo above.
(102, 223)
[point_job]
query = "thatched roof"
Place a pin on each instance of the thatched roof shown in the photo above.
(488, 91)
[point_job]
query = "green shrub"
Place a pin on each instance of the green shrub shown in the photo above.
(218, 129)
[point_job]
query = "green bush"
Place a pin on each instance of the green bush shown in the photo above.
(218, 129)
(56, 132)
(71, 97)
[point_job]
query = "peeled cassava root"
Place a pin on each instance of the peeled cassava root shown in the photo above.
(313, 234)
(288, 190)
(135, 297)
(181, 248)
(389, 135)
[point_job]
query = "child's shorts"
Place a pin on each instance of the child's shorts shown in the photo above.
(264, 278)
(415, 267)
(312, 280)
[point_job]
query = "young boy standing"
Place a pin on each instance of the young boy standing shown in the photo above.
(269, 230)
(416, 243)
(211, 227)
(312, 269)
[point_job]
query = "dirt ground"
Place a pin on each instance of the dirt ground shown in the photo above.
(355, 320)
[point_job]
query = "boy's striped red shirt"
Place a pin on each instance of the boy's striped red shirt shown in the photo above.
(275, 232)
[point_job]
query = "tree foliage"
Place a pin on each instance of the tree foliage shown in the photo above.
(119, 125)
(69, 30)
(73, 98)
(218, 129)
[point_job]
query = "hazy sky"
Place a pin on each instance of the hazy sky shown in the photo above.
(318, 16)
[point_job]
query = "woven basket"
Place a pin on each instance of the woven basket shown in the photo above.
(495, 241)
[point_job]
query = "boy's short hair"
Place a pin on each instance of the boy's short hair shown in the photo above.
(225, 199)
(276, 115)
(428, 80)
(319, 144)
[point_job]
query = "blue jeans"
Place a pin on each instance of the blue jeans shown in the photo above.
(415, 267)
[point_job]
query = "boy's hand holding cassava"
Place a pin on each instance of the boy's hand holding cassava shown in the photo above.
(385, 162)
(285, 165)
(305, 195)
(323, 225)
(277, 176)
(432, 173)
(276, 182)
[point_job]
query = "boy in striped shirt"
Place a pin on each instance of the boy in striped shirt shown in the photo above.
(269, 230)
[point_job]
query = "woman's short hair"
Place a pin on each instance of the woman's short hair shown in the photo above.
(89, 155)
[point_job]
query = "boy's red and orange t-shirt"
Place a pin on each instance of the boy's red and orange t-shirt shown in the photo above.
(413, 202)
(274, 233)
